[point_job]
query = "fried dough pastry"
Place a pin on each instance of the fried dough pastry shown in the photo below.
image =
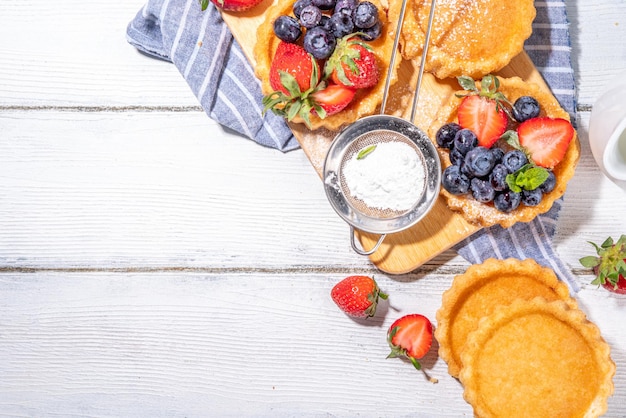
(537, 359)
(480, 290)
(469, 37)
(485, 214)
(366, 101)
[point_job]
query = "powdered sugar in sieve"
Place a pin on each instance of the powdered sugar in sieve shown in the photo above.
(382, 174)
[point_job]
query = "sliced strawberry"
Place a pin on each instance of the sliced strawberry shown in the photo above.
(545, 139)
(410, 336)
(231, 5)
(353, 64)
(357, 296)
(293, 70)
(484, 117)
(332, 99)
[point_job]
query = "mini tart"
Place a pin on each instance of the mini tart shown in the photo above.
(537, 359)
(485, 214)
(365, 102)
(471, 38)
(483, 287)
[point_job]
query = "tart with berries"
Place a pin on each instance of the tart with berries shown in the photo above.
(471, 38)
(507, 149)
(324, 62)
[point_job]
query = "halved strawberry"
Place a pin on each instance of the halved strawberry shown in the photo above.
(231, 5)
(357, 296)
(545, 139)
(353, 64)
(293, 70)
(483, 116)
(332, 99)
(410, 336)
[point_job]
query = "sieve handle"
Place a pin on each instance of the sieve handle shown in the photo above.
(360, 250)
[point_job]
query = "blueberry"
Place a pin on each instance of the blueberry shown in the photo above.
(456, 157)
(507, 201)
(465, 140)
(319, 42)
(548, 185)
(479, 161)
(454, 181)
(497, 178)
(445, 134)
(287, 29)
(325, 23)
(310, 16)
(341, 24)
(325, 4)
(370, 34)
(482, 190)
(365, 15)
(299, 5)
(532, 197)
(498, 153)
(346, 6)
(514, 160)
(525, 108)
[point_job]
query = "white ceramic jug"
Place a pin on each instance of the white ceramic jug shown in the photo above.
(607, 131)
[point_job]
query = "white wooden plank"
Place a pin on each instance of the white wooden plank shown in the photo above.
(156, 190)
(184, 344)
(89, 63)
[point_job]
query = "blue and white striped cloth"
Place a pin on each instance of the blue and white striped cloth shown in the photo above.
(202, 48)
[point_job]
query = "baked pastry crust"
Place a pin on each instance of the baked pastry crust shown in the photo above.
(366, 101)
(471, 38)
(476, 294)
(537, 358)
(485, 214)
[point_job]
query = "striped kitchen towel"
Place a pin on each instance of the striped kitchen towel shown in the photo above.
(213, 64)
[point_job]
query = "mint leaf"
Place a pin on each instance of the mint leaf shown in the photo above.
(529, 177)
(365, 152)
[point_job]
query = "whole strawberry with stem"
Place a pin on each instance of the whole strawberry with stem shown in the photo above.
(357, 296)
(609, 265)
(410, 337)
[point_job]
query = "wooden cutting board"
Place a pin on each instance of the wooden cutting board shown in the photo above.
(403, 251)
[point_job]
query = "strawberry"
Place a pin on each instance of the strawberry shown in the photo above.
(483, 117)
(231, 5)
(353, 64)
(293, 71)
(482, 111)
(609, 265)
(545, 139)
(357, 296)
(410, 336)
(332, 99)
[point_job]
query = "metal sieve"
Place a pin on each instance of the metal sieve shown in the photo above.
(378, 129)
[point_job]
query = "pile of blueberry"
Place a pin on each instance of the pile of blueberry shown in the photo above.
(482, 171)
(325, 21)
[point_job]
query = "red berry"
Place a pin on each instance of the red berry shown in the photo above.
(293, 71)
(484, 117)
(357, 296)
(410, 336)
(609, 265)
(235, 5)
(353, 64)
(545, 139)
(334, 98)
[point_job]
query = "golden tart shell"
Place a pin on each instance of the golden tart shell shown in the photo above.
(366, 101)
(485, 214)
(480, 290)
(537, 359)
(469, 37)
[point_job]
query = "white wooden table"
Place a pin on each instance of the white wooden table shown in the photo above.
(154, 264)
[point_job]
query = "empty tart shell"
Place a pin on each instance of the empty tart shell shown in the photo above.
(480, 290)
(366, 101)
(485, 214)
(469, 37)
(537, 359)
